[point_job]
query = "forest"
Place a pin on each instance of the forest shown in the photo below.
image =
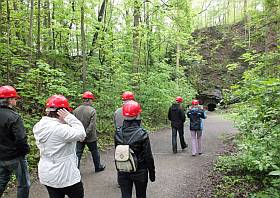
(158, 49)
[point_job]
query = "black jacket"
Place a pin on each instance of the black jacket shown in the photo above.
(138, 139)
(176, 115)
(13, 139)
(195, 116)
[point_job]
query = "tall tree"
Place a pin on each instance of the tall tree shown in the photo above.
(30, 37)
(83, 37)
(1, 20)
(100, 17)
(39, 29)
(136, 39)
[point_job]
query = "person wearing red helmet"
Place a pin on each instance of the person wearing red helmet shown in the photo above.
(118, 117)
(13, 144)
(177, 117)
(56, 135)
(132, 134)
(86, 113)
(196, 114)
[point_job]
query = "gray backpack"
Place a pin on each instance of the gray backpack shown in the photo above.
(125, 158)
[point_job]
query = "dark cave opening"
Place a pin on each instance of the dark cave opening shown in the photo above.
(211, 107)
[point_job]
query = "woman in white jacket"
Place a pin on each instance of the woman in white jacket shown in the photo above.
(56, 135)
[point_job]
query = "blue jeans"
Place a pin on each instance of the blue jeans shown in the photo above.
(92, 146)
(18, 166)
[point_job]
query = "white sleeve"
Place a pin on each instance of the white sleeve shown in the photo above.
(73, 130)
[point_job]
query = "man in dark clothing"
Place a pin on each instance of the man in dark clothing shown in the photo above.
(138, 140)
(86, 113)
(13, 144)
(177, 117)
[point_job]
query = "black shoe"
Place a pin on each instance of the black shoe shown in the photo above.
(174, 151)
(101, 168)
(186, 146)
(199, 153)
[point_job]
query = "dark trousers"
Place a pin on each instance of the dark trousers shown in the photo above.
(180, 129)
(92, 146)
(139, 179)
(20, 167)
(74, 191)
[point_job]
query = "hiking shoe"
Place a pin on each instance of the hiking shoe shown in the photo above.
(186, 146)
(101, 168)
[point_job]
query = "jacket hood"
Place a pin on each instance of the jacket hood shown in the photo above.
(131, 134)
(41, 130)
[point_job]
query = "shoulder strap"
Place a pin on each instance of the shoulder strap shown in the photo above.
(121, 132)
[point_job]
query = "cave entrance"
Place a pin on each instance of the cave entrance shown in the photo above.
(211, 107)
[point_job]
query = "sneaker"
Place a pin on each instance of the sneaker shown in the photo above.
(193, 155)
(186, 146)
(199, 153)
(101, 168)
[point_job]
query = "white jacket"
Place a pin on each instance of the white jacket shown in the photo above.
(56, 141)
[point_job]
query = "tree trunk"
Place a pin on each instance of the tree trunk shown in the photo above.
(16, 20)
(83, 43)
(178, 51)
(49, 22)
(136, 19)
(8, 22)
(53, 32)
(100, 18)
(234, 8)
(1, 21)
(8, 37)
(39, 29)
(245, 19)
(31, 27)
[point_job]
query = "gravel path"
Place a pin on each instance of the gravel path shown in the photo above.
(177, 175)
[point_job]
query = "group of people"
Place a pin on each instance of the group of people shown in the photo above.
(62, 136)
(176, 115)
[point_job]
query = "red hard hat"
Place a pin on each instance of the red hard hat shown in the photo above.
(88, 95)
(195, 102)
(8, 92)
(58, 101)
(179, 99)
(131, 109)
(128, 95)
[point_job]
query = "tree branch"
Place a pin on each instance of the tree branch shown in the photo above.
(205, 8)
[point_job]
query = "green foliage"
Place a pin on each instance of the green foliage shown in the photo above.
(40, 83)
(258, 121)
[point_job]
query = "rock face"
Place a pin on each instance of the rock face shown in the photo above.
(220, 47)
(210, 99)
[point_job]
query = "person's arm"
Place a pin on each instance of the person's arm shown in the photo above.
(203, 114)
(149, 160)
(183, 115)
(92, 123)
(73, 130)
(20, 136)
(169, 114)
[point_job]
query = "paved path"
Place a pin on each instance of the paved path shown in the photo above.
(177, 175)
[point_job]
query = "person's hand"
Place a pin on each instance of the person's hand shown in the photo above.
(152, 176)
(62, 113)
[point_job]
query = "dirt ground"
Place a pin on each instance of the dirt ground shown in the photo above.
(177, 175)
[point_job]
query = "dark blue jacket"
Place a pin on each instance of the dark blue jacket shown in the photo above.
(195, 115)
